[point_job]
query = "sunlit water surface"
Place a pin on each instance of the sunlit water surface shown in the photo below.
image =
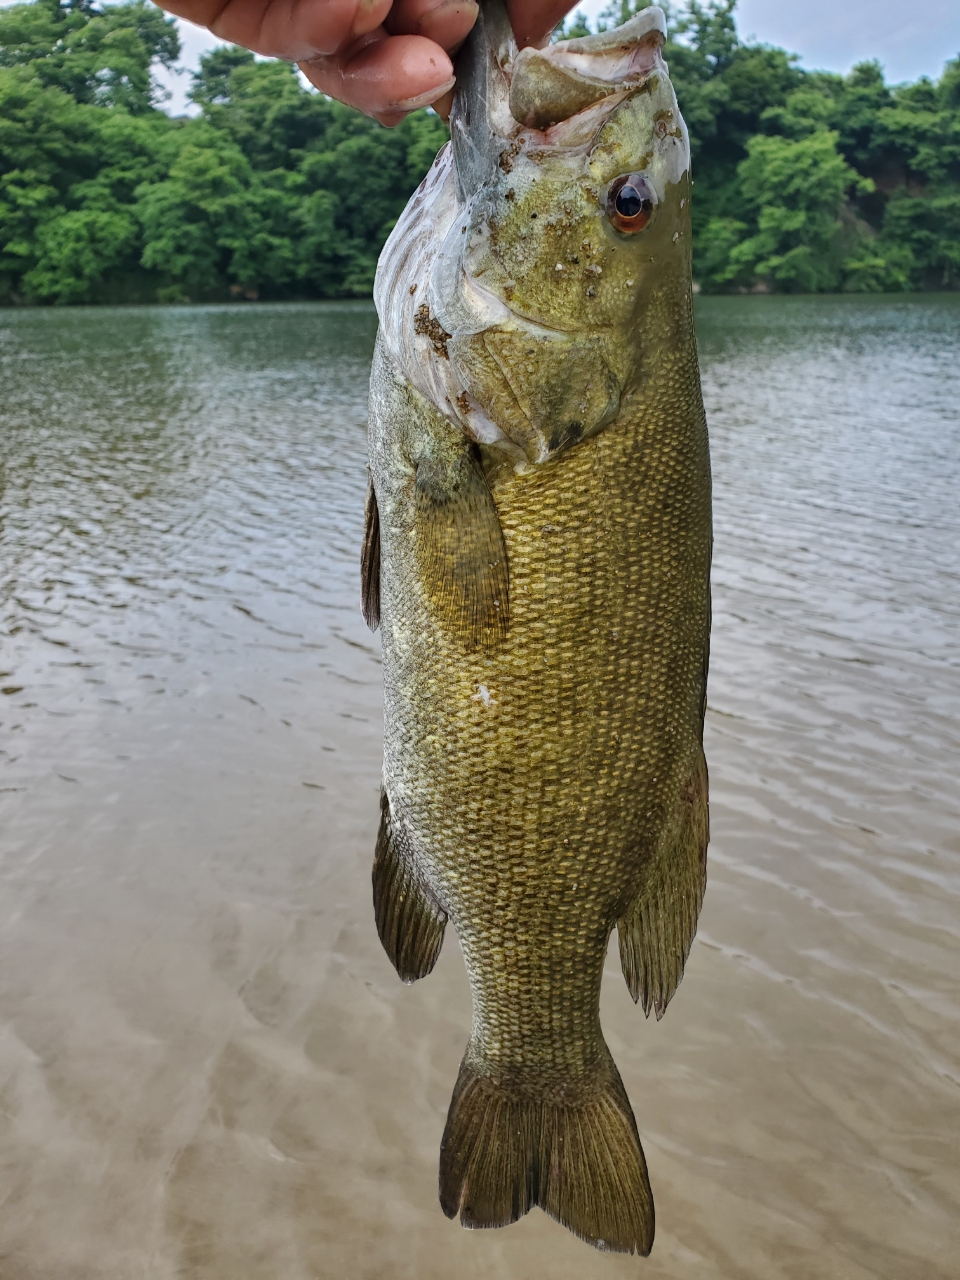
(208, 1068)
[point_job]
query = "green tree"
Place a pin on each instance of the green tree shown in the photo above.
(68, 174)
(573, 27)
(75, 250)
(197, 216)
(803, 180)
(78, 135)
(793, 192)
(96, 55)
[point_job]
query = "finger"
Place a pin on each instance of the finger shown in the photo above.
(446, 22)
(292, 29)
(533, 20)
(384, 76)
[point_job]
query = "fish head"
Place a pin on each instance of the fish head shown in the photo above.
(573, 167)
(567, 189)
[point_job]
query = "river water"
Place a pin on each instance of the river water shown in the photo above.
(208, 1068)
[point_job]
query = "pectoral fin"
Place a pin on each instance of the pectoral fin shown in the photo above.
(370, 561)
(460, 550)
(657, 930)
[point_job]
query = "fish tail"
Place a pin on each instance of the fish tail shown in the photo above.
(573, 1152)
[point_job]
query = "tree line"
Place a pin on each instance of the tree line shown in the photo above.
(804, 181)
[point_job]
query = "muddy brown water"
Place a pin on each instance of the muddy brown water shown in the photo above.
(207, 1067)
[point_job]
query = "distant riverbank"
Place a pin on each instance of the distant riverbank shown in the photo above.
(805, 182)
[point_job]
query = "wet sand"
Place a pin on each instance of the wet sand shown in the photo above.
(208, 1068)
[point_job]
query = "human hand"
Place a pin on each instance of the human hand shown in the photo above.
(385, 57)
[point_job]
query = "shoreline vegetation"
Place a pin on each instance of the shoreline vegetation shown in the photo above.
(805, 182)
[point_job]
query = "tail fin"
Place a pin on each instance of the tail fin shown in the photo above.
(504, 1151)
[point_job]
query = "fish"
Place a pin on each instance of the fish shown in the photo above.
(536, 554)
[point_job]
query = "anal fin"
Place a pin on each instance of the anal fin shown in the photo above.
(409, 921)
(657, 931)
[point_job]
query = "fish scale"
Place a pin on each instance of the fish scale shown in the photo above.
(545, 630)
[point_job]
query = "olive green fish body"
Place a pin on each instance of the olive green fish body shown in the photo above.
(543, 593)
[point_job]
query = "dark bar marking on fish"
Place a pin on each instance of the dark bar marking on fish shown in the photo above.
(370, 561)
(656, 933)
(460, 548)
(409, 921)
(507, 1148)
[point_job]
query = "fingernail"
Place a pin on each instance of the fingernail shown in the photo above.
(368, 17)
(424, 99)
(450, 4)
(443, 105)
(449, 17)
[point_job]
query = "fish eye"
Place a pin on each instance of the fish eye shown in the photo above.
(631, 202)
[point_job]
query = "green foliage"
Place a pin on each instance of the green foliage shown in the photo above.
(100, 56)
(273, 191)
(573, 27)
(792, 190)
(804, 180)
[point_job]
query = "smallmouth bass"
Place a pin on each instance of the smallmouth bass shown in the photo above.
(537, 554)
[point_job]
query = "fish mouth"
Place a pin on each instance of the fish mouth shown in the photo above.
(558, 95)
(549, 86)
